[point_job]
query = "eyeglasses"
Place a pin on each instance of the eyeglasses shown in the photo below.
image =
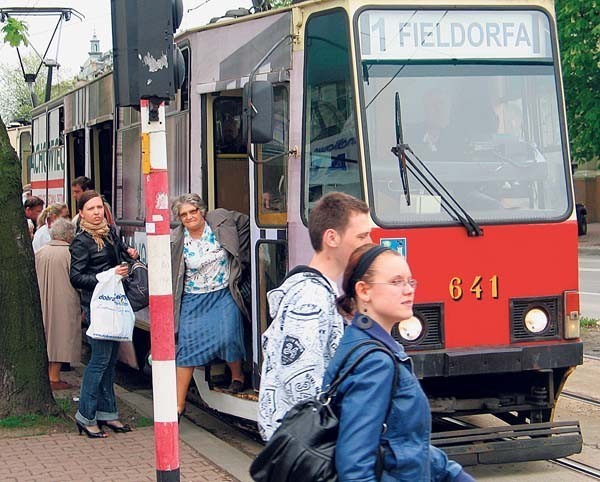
(187, 214)
(399, 283)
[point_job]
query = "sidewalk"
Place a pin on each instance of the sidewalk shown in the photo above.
(589, 244)
(119, 457)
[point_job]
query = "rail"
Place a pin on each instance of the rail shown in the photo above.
(578, 467)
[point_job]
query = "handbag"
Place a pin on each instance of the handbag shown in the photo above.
(136, 286)
(302, 449)
(111, 316)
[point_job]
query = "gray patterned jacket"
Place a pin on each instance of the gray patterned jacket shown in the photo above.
(297, 346)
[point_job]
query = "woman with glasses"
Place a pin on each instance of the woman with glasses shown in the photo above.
(211, 269)
(385, 425)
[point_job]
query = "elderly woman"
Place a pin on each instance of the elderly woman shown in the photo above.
(377, 413)
(60, 301)
(97, 248)
(44, 223)
(210, 261)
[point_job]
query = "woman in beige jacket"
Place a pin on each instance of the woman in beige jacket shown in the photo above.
(61, 311)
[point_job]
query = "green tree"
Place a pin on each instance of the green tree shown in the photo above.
(24, 383)
(579, 35)
(280, 3)
(15, 99)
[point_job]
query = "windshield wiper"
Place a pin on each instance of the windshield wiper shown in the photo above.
(429, 181)
(399, 150)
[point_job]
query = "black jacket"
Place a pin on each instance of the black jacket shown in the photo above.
(87, 261)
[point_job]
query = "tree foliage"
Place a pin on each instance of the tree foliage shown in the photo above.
(579, 35)
(15, 32)
(280, 3)
(15, 99)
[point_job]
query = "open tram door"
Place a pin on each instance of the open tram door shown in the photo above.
(257, 189)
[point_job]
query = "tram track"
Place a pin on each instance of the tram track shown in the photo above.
(580, 398)
(591, 357)
(578, 467)
(567, 462)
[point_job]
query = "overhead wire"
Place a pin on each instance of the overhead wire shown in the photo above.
(198, 6)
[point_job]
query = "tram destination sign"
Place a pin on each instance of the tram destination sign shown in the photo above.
(454, 34)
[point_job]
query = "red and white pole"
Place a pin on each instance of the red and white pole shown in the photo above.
(164, 386)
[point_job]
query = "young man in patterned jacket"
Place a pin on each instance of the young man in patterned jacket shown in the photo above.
(306, 327)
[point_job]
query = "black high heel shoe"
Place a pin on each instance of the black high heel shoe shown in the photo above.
(82, 428)
(115, 428)
(180, 414)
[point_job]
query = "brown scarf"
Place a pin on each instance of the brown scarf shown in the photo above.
(99, 232)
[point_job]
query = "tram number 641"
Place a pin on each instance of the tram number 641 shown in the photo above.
(456, 287)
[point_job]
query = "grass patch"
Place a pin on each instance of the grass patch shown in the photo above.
(28, 421)
(144, 422)
(586, 322)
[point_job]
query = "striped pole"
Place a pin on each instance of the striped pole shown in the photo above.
(164, 386)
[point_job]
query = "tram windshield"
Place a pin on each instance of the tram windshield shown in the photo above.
(478, 106)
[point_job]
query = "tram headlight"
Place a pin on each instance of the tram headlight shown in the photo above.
(411, 329)
(536, 320)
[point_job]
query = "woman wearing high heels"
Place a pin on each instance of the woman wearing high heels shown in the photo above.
(377, 414)
(97, 248)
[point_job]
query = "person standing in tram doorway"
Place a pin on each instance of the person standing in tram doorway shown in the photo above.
(210, 257)
(83, 184)
(306, 327)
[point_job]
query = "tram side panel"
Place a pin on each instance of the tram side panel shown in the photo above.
(48, 171)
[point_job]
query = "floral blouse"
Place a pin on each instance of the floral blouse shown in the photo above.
(206, 263)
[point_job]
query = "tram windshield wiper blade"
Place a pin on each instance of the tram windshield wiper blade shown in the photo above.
(399, 149)
(427, 178)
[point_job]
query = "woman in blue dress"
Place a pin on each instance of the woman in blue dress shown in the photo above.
(211, 270)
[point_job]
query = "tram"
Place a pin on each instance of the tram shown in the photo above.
(449, 120)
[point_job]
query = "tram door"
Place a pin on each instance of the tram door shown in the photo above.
(269, 220)
(258, 190)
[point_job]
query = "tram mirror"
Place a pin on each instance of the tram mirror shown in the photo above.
(258, 111)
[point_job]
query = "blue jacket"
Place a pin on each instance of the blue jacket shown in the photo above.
(362, 404)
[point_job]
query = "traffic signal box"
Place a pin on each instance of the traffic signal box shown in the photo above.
(147, 64)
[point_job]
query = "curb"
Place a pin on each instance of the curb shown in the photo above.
(220, 453)
(589, 250)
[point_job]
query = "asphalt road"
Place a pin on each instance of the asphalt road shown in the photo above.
(589, 286)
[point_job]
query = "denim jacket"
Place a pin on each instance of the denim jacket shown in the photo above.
(362, 403)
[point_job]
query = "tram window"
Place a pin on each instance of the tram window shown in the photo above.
(272, 268)
(185, 87)
(272, 176)
(331, 159)
(228, 126)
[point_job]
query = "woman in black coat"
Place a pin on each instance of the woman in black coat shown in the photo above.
(97, 248)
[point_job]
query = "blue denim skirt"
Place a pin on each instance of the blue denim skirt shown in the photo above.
(210, 328)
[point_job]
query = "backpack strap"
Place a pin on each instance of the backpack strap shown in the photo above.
(302, 268)
(341, 376)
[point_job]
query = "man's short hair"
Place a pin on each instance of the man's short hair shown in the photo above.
(85, 183)
(33, 202)
(332, 211)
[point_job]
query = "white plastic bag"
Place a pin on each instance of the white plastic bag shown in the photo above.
(111, 316)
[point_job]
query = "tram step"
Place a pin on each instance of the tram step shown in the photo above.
(510, 443)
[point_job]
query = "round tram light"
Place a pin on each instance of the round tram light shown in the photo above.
(536, 320)
(411, 329)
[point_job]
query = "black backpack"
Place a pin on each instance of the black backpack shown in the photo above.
(302, 449)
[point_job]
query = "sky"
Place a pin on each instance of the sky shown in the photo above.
(75, 35)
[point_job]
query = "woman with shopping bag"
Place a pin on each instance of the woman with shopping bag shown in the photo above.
(96, 249)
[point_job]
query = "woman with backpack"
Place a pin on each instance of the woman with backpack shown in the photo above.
(384, 424)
